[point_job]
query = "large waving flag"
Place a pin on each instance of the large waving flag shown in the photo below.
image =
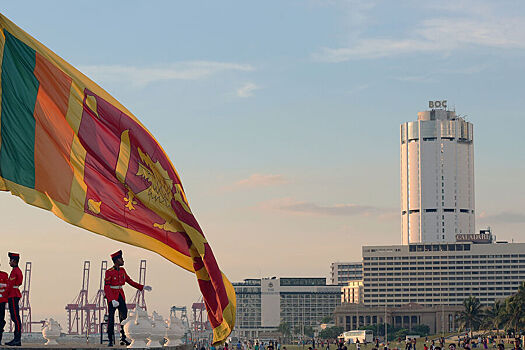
(69, 147)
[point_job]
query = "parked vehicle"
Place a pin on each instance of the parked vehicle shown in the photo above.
(364, 336)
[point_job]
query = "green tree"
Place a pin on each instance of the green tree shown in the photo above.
(331, 332)
(308, 331)
(401, 333)
(494, 316)
(285, 329)
(514, 310)
(471, 316)
(327, 319)
(520, 300)
(421, 329)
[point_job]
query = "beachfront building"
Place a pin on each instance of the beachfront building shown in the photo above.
(442, 273)
(262, 304)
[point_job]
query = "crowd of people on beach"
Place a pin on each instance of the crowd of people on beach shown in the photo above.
(244, 345)
(465, 342)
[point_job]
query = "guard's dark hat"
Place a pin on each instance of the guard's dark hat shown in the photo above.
(116, 255)
(13, 255)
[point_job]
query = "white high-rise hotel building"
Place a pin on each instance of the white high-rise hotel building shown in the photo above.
(437, 177)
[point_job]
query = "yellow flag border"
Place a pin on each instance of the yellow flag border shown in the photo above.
(97, 225)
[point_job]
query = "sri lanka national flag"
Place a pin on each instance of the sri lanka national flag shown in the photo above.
(69, 147)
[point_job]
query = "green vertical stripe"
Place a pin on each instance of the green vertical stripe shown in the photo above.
(19, 91)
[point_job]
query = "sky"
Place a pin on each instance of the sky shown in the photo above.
(282, 119)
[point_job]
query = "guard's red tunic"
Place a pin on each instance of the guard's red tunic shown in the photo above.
(114, 282)
(15, 281)
(4, 278)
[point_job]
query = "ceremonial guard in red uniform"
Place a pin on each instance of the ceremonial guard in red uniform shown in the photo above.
(4, 278)
(13, 297)
(114, 281)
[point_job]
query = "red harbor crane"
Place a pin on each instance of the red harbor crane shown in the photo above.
(99, 301)
(80, 311)
(200, 317)
(138, 299)
(86, 317)
(25, 305)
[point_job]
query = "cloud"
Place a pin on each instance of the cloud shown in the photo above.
(455, 32)
(368, 48)
(247, 90)
(262, 180)
(434, 74)
(308, 208)
(140, 76)
(440, 34)
(256, 181)
(506, 217)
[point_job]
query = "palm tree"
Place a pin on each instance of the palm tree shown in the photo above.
(471, 317)
(513, 314)
(520, 297)
(284, 329)
(512, 310)
(494, 316)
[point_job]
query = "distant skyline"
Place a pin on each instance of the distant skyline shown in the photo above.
(282, 119)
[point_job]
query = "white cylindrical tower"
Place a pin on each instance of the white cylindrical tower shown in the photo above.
(437, 177)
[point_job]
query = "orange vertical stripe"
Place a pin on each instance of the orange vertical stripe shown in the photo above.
(53, 135)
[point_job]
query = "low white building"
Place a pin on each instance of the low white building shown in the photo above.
(262, 304)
